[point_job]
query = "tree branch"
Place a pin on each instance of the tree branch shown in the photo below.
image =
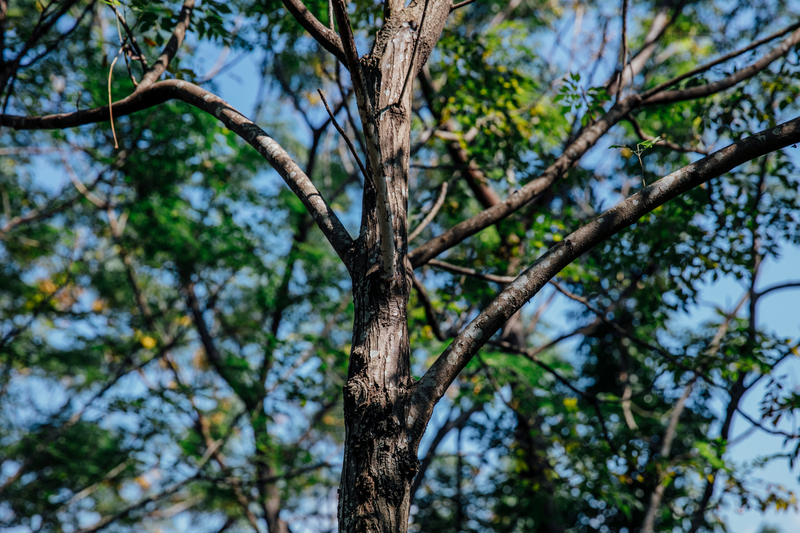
(324, 36)
(431, 215)
(450, 425)
(787, 285)
(656, 95)
(726, 57)
(344, 136)
(430, 312)
(663, 142)
(445, 369)
(660, 23)
(586, 140)
(170, 49)
(367, 114)
(160, 92)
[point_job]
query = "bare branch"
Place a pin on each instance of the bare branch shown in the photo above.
(665, 143)
(131, 37)
(430, 312)
(765, 429)
(171, 48)
(431, 215)
(160, 92)
(726, 57)
(344, 136)
(470, 272)
(324, 36)
(461, 4)
(660, 23)
(787, 285)
(450, 425)
(436, 380)
(578, 148)
(657, 95)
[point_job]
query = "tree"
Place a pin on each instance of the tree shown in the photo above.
(202, 364)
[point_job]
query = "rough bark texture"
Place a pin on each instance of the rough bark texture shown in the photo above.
(380, 454)
(380, 460)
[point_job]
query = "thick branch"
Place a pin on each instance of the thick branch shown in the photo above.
(668, 97)
(160, 92)
(787, 285)
(720, 60)
(436, 380)
(324, 36)
(171, 48)
(578, 148)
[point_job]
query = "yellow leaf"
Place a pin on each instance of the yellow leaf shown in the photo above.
(149, 42)
(98, 305)
(185, 321)
(47, 286)
(200, 361)
(148, 342)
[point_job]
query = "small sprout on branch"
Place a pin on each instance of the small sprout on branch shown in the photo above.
(640, 149)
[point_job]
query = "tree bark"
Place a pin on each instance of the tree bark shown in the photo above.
(380, 459)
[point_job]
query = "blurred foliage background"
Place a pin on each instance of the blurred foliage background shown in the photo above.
(174, 330)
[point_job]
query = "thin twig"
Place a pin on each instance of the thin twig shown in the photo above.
(431, 215)
(110, 101)
(344, 135)
(461, 4)
(624, 45)
(430, 312)
(663, 142)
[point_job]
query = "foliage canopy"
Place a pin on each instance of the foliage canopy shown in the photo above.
(523, 237)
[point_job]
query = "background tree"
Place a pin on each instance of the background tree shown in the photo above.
(189, 344)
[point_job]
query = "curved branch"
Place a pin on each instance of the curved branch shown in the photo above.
(187, 92)
(586, 140)
(431, 215)
(668, 97)
(324, 36)
(787, 285)
(720, 60)
(467, 343)
(171, 48)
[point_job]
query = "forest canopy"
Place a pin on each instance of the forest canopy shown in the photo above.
(308, 266)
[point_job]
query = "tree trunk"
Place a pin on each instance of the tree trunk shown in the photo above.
(380, 458)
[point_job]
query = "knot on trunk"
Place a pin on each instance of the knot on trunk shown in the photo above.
(356, 394)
